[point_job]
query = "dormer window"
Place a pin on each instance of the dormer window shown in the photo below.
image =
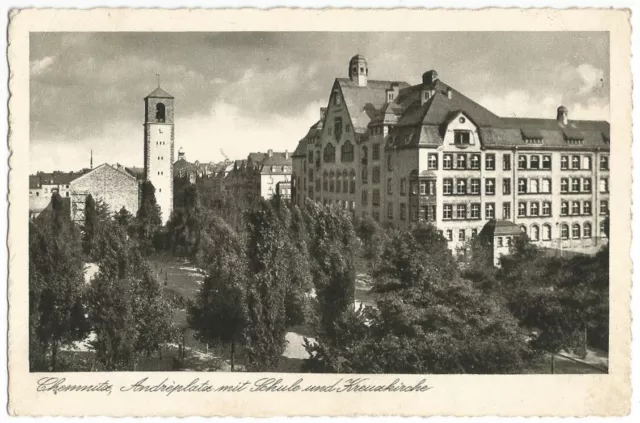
(462, 137)
(390, 96)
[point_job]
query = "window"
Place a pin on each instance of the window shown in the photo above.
(475, 186)
(545, 187)
(575, 208)
(564, 185)
(389, 187)
(433, 161)
(346, 152)
(475, 161)
(345, 182)
(403, 211)
(332, 183)
(447, 161)
(389, 210)
(325, 182)
(375, 175)
(586, 184)
(604, 185)
(423, 213)
(375, 197)
(522, 186)
(546, 162)
(575, 230)
(337, 128)
(462, 137)
(352, 182)
(522, 162)
(490, 162)
(160, 112)
(431, 184)
(364, 174)
(604, 162)
(489, 211)
(586, 208)
(423, 187)
(490, 186)
(535, 233)
(474, 232)
(365, 197)
(414, 187)
(461, 161)
(461, 186)
(522, 209)
(461, 235)
(534, 209)
(546, 208)
(447, 211)
(564, 231)
(389, 162)
(533, 186)
(575, 185)
(475, 211)
(506, 211)
(449, 235)
(338, 183)
(586, 162)
(365, 155)
(506, 186)
(431, 213)
(546, 232)
(506, 162)
(575, 162)
(602, 228)
(447, 186)
(347, 127)
(604, 206)
(337, 100)
(403, 186)
(534, 162)
(329, 154)
(461, 211)
(375, 153)
(586, 230)
(564, 208)
(499, 241)
(564, 162)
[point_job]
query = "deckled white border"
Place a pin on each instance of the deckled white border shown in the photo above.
(453, 395)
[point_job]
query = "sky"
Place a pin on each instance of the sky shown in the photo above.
(240, 92)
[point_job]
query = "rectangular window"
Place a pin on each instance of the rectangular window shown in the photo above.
(522, 162)
(534, 209)
(375, 154)
(403, 186)
(431, 187)
(461, 211)
(575, 185)
(604, 206)
(461, 186)
(447, 186)
(489, 210)
(564, 185)
(449, 235)
(475, 161)
(604, 185)
(533, 186)
(447, 161)
(431, 213)
(575, 162)
(389, 210)
(423, 187)
(564, 162)
(506, 162)
(545, 186)
(461, 161)
(389, 162)
(604, 162)
(389, 186)
(375, 197)
(447, 211)
(414, 214)
(546, 208)
(403, 211)
(534, 162)
(522, 209)
(506, 186)
(474, 232)
(586, 208)
(423, 213)
(490, 186)
(586, 184)
(490, 162)
(462, 137)
(499, 241)
(433, 161)
(506, 210)
(414, 187)
(564, 208)
(475, 186)
(546, 162)
(375, 175)
(522, 186)
(475, 211)
(575, 208)
(461, 235)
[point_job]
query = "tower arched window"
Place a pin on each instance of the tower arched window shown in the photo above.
(346, 153)
(160, 112)
(329, 154)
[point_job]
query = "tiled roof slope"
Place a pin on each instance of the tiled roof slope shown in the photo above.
(159, 93)
(499, 227)
(301, 149)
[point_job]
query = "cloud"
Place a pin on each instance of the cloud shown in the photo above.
(37, 67)
(592, 78)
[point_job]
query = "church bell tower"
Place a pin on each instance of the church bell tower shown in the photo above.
(158, 147)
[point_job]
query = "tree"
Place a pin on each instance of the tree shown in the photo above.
(56, 287)
(125, 219)
(90, 224)
(219, 311)
(148, 219)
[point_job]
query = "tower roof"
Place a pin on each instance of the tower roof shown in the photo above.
(159, 93)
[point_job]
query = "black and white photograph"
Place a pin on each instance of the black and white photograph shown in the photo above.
(322, 202)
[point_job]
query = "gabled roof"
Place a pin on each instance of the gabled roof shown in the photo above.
(159, 93)
(314, 130)
(499, 228)
(364, 103)
(53, 178)
(107, 166)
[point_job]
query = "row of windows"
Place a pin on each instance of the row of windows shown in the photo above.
(462, 234)
(375, 197)
(472, 186)
(577, 162)
(468, 211)
(575, 231)
(375, 174)
(534, 209)
(337, 127)
(462, 161)
(160, 143)
(375, 153)
(576, 209)
(329, 153)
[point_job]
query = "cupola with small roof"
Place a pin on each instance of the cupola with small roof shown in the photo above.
(563, 115)
(358, 70)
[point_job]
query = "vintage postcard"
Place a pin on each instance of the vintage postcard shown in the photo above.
(319, 212)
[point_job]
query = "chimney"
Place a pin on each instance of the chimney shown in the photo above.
(429, 77)
(270, 153)
(449, 93)
(563, 115)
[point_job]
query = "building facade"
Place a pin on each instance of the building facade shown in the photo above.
(158, 147)
(43, 185)
(428, 153)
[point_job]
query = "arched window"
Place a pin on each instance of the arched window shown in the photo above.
(352, 186)
(564, 231)
(325, 181)
(160, 112)
(546, 232)
(346, 152)
(535, 233)
(523, 229)
(329, 153)
(345, 182)
(332, 182)
(575, 230)
(586, 230)
(365, 154)
(338, 183)
(365, 175)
